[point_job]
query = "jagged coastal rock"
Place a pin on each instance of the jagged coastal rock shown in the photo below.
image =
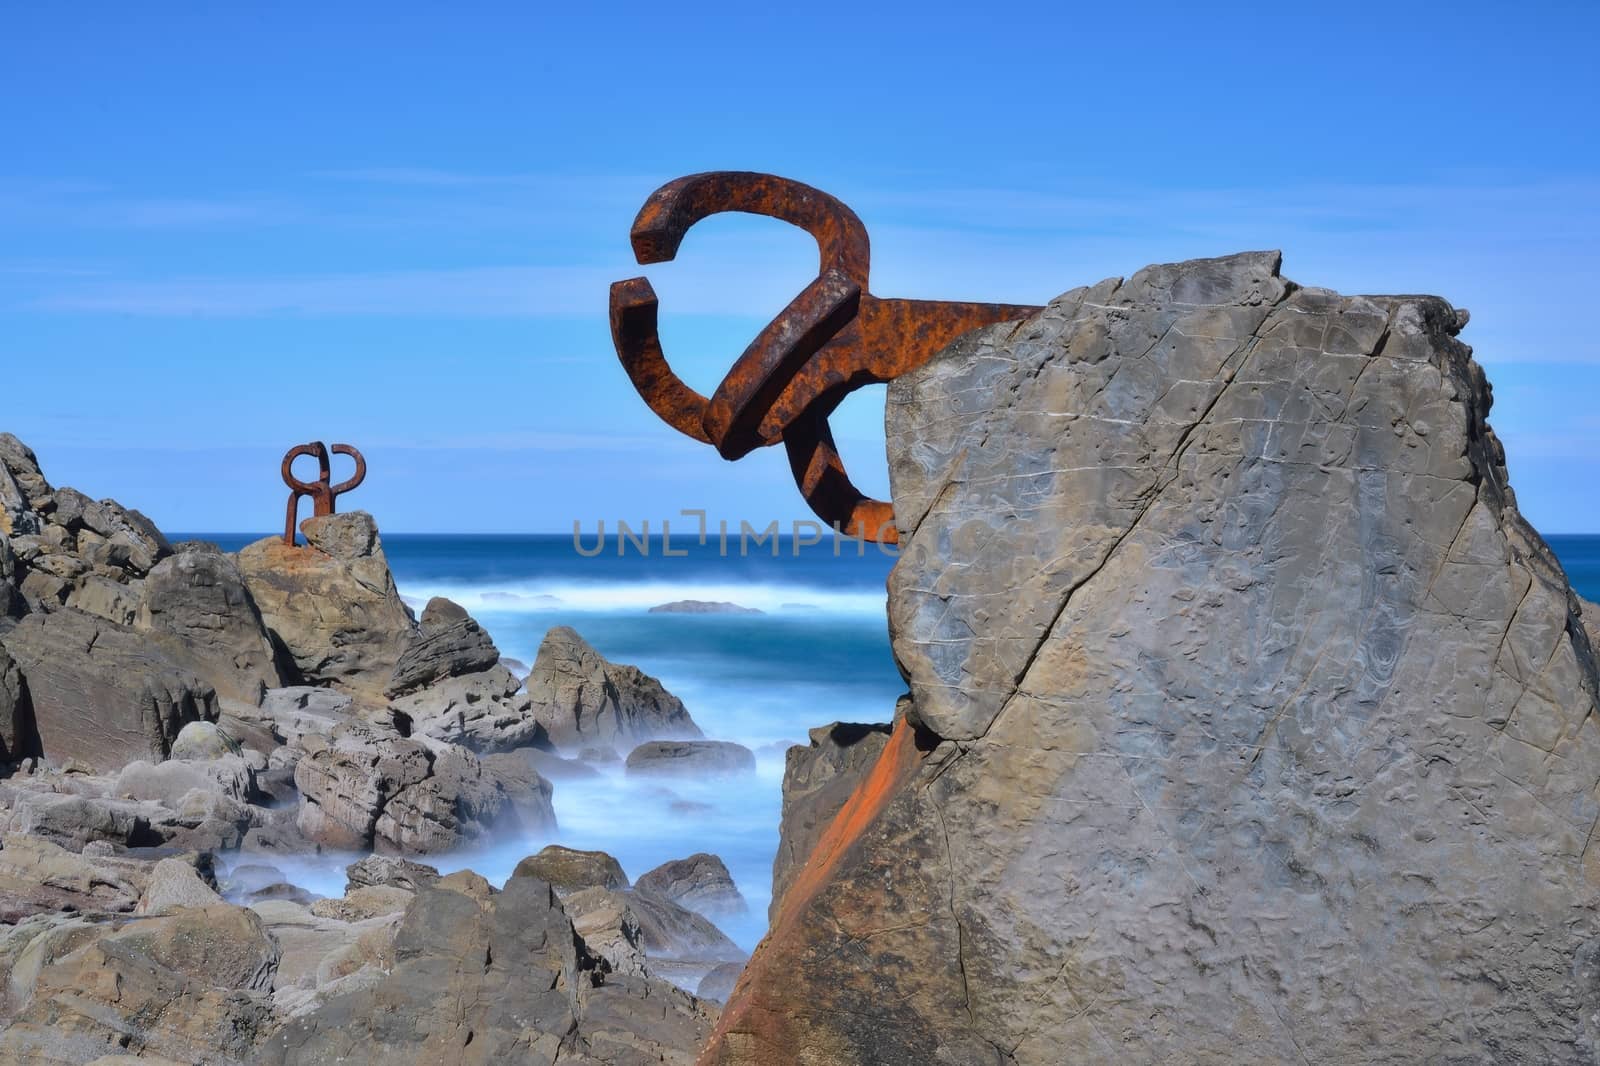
(584, 701)
(700, 882)
(816, 782)
(1250, 720)
(451, 685)
(102, 694)
(487, 977)
(181, 730)
(333, 603)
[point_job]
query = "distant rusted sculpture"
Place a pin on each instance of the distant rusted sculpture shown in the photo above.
(321, 491)
(832, 339)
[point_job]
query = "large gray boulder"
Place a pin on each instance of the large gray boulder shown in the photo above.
(332, 603)
(1251, 721)
(582, 700)
(103, 694)
(481, 977)
(198, 598)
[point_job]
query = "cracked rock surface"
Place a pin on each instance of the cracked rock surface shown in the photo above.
(1250, 721)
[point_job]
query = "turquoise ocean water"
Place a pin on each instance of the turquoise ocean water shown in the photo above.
(818, 653)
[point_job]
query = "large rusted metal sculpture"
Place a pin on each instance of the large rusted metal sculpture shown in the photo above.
(832, 339)
(321, 491)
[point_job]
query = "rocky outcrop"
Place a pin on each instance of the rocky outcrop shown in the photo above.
(175, 883)
(18, 738)
(362, 789)
(584, 701)
(702, 607)
(451, 686)
(700, 883)
(482, 977)
(1251, 722)
(569, 869)
(817, 780)
(103, 694)
(639, 932)
(389, 871)
(192, 986)
(698, 758)
(332, 603)
(198, 597)
(38, 876)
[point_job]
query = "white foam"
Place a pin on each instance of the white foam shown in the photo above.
(534, 597)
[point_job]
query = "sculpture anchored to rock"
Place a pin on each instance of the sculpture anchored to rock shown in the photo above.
(832, 339)
(322, 492)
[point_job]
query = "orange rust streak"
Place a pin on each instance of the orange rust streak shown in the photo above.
(900, 757)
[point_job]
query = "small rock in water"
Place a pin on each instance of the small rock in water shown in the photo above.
(388, 870)
(175, 883)
(284, 891)
(568, 869)
(701, 883)
(716, 757)
(717, 985)
(703, 607)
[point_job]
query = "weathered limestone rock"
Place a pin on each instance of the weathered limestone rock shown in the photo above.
(717, 985)
(203, 740)
(451, 643)
(640, 932)
(103, 694)
(569, 869)
(199, 597)
(450, 684)
(700, 883)
(698, 758)
(362, 789)
(173, 884)
(11, 601)
(23, 489)
(484, 978)
(104, 597)
(38, 876)
(190, 986)
(360, 904)
(18, 737)
(583, 700)
(389, 871)
(1252, 723)
(332, 603)
(816, 782)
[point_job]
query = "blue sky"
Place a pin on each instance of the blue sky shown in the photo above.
(224, 232)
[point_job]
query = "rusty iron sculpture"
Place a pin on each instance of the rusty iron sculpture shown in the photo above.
(834, 338)
(321, 491)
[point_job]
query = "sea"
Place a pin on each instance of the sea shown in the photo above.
(817, 652)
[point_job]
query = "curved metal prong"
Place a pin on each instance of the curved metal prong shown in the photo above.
(357, 478)
(315, 449)
(734, 416)
(666, 216)
(819, 473)
(633, 332)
